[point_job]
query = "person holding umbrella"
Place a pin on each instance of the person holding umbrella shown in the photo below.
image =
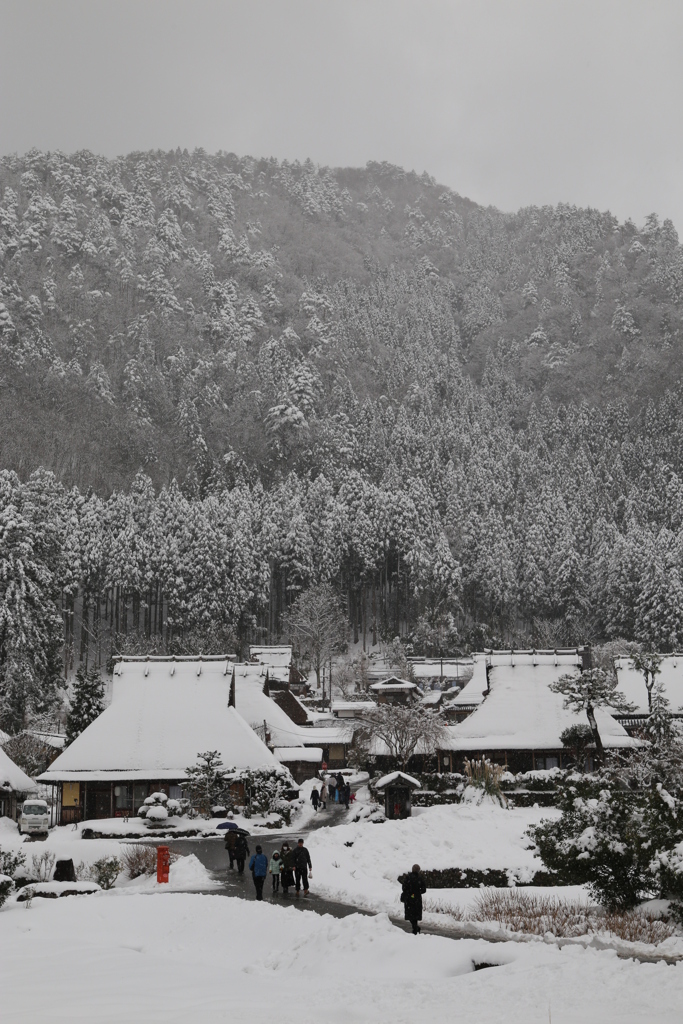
(241, 852)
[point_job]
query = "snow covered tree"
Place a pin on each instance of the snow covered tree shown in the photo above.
(29, 625)
(593, 688)
(86, 703)
(207, 782)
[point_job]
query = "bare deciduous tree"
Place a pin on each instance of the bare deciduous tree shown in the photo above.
(317, 626)
(403, 729)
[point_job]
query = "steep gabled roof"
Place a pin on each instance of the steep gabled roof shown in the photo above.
(521, 712)
(162, 715)
(12, 777)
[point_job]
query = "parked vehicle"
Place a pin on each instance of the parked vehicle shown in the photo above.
(34, 817)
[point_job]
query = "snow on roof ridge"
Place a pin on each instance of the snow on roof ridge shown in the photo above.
(173, 657)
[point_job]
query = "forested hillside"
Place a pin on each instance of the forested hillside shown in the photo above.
(249, 376)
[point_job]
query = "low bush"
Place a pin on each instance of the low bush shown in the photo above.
(531, 914)
(6, 886)
(471, 878)
(105, 871)
(43, 865)
(139, 859)
(12, 863)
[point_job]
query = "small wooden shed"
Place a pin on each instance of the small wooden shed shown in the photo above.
(397, 788)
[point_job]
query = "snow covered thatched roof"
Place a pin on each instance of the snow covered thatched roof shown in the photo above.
(522, 713)
(632, 683)
(162, 715)
(288, 755)
(278, 661)
(13, 778)
(457, 670)
(473, 690)
(396, 777)
(256, 707)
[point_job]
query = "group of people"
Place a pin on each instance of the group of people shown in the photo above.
(334, 788)
(287, 867)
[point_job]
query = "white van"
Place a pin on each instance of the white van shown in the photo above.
(34, 817)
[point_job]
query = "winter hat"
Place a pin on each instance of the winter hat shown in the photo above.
(259, 850)
(276, 855)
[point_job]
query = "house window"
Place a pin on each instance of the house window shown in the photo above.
(175, 792)
(140, 793)
(121, 796)
(552, 762)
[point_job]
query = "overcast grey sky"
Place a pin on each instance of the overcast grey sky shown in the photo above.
(510, 102)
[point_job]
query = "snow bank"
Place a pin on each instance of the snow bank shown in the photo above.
(189, 957)
(54, 890)
(360, 862)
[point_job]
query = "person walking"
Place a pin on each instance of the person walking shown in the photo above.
(411, 897)
(287, 858)
(347, 795)
(230, 841)
(276, 870)
(258, 865)
(323, 794)
(241, 852)
(315, 799)
(332, 786)
(302, 867)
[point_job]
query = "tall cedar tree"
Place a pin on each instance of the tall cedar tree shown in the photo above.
(86, 703)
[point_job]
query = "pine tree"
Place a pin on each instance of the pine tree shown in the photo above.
(87, 702)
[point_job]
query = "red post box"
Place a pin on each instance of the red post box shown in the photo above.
(163, 863)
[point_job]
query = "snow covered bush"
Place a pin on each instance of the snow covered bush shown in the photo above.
(6, 886)
(105, 871)
(154, 803)
(156, 814)
(266, 790)
(609, 838)
(10, 862)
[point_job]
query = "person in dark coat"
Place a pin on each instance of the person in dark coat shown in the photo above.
(230, 842)
(315, 799)
(241, 852)
(302, 865)
(287, 858)
(411, 897)
(258, 865)
(347, 795)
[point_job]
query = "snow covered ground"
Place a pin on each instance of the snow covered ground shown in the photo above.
(179, 958)
(360, 862)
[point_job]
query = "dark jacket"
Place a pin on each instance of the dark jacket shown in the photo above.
(231, 840)
(411, 896)
(258, 865)
(241, 848)
(302, 858)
